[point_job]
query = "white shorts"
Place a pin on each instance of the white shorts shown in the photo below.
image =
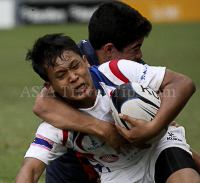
(144, 171)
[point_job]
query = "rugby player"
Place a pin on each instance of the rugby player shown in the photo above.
(110, 39)
(57, 59)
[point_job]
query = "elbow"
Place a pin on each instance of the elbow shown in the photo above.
(40, 103)
(192, 86)
(35, 110)
(38, 107)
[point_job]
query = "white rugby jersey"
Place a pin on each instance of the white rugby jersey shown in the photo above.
(51, 142)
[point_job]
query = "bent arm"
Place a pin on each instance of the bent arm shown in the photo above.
(30, 171)
(177, 90)
(63, 116)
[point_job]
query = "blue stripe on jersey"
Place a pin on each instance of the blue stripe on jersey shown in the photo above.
(97, 77)
(108, 169)
(98, 167)
(42, 142)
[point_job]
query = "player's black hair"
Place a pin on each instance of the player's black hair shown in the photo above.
(47, 49)
(118, 23)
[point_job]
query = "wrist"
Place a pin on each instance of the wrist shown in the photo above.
(156, 127)
(100, 128)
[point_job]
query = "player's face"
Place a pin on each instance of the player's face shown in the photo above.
(71, 79)
(130, 52)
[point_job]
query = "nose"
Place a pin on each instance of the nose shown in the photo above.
(139, 54)
(72, 77)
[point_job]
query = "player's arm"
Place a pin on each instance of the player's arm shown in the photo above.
(58, 113)
(46, 147)
(61, 115)
(177, 90)
(30, 171)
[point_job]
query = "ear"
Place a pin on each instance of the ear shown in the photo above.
(49, 86)
(86, 61)
(108, 49)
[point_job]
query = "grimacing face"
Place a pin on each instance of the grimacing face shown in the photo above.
(71, 79)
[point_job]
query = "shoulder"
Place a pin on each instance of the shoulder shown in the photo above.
(120, 71)
(47, 144)
(123, 71)
(86, 49)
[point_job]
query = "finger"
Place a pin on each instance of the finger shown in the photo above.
(131, 120)
(122, 130)
(174, 123)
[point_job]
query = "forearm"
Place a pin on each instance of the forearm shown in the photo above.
(175, 96)
(61, 115)
(25, 176)
(31, 171)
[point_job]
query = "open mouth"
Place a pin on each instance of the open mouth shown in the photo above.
(80, 89)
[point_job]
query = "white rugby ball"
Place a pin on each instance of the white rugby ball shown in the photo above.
(135, 101)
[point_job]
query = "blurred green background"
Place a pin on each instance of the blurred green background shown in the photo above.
(176, 46)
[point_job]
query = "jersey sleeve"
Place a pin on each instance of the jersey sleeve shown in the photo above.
(123, 71)
(47, 144)
(146, 75)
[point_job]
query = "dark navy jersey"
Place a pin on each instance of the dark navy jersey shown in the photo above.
(66, 169)
(87, 50)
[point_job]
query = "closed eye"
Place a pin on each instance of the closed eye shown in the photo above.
(60, 76)
(75, 66)
(136, 49)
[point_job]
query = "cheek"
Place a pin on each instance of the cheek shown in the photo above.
(85, 74)
(129, 56)
(65, 91)
(89, 78)
(60, 87)
(132, 57)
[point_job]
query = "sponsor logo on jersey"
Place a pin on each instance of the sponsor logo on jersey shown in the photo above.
(95, 145)
(171, 136)
(109, 158)
(134, 154)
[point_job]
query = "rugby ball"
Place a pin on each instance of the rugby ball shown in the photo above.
(135, 100)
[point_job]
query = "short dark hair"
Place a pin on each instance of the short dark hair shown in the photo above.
(47, 49)
(118, 23)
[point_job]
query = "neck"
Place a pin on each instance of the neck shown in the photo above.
(102, 58)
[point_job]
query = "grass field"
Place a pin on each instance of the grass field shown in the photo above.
(175, 46)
